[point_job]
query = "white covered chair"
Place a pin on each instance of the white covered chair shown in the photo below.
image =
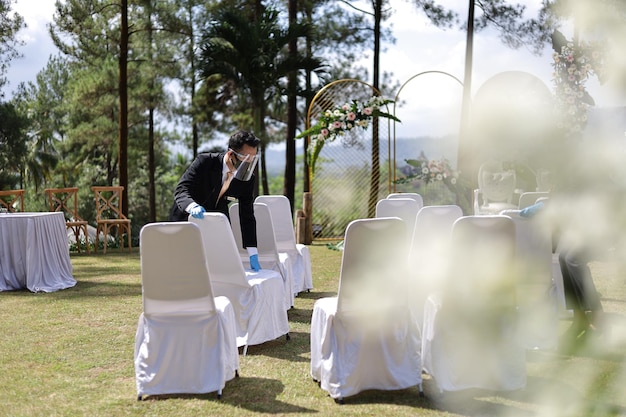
(186, 338)
(282, 220)
(470, 337)
(429, 252)
(496, 189)
(530, 197)
(257, 297)
(415, 196)
(269, 256)
(536, 289)
(364, 338)
(404, 208)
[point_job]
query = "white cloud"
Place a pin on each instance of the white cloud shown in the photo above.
(422, 47)
(38, 45)
(36, 14)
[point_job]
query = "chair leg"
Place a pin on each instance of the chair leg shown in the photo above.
(95, 249)
(86, 234)
(106, 238)
(287, 337)
(219, 394)
(245, 350)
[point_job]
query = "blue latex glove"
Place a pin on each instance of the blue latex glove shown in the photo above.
(197, 211)
(530, 211)
(254, 263)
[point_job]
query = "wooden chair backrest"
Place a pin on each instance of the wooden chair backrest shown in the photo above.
(108, 202)
(9, 199)
(64, 200)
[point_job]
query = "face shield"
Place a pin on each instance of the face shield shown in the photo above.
(244, 165)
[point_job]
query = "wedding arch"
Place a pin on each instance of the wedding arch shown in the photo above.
(352, 172)
(422, 148)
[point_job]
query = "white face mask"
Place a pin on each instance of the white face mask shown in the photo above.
(244, 164)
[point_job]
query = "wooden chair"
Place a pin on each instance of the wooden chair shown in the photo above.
(10, 199)
(109, 215)
(66, 200)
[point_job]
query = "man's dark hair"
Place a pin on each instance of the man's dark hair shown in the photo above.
(240, 138)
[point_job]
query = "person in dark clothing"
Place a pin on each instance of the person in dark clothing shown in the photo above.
(580, 291)
(581, 295)
(214, 179)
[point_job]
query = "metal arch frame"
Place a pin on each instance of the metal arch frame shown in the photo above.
(311, 106)
(395, 100)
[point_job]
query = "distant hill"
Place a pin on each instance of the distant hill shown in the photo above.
(406, 148)
(607, 122)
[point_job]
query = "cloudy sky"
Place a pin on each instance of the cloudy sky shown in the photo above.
(430, 101)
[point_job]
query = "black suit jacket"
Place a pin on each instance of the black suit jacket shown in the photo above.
(202, 183)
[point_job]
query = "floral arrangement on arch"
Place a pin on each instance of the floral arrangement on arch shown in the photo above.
(573, 65)
(438, 170)
(336, 122)
(431, 171)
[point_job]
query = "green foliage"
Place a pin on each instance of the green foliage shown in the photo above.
(252, 53)
(13, 147)
(10, 24)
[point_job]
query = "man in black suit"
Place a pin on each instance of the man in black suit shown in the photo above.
(213, 179)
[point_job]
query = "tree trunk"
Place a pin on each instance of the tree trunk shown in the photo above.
(306, 179)
(289, 185)
(259, 131)
(375, 176)
(123, 116)
(465, 153)
(192, 75)
(151, 158)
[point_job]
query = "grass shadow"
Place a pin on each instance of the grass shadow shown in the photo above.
(294, 350)
(254, 394)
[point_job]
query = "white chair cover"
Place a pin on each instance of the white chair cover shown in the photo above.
(415, 196)
(269, 256)
(186, 338)
(470, 336)
(536, 289)
(404, 208)
(280, 210)
(429, 253)
(496, 187)
(257, 297)
(529, 198)
(364, 338)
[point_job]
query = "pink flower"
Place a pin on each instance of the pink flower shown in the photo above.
(337, 124)
(325, 132)
(351, 116)
(367, 111)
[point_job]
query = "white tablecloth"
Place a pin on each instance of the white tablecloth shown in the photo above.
(34, 252)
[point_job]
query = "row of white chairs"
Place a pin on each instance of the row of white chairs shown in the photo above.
(368, 336)
(199, 306)
(199, 301)
(478, 287)
(277, 245)
(539, 290)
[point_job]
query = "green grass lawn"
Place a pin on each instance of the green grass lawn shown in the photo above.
(70, 353)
